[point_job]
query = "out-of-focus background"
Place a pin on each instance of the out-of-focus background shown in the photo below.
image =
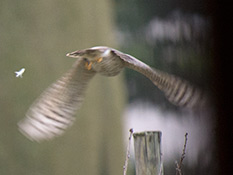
(173, 36)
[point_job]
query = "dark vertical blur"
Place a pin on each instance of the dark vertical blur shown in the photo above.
(209, 55)
(223, 87)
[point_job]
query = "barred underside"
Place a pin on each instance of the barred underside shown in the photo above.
(54, 110)
(178, 91)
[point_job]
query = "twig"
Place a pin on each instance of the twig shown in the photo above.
(179, 165)
(161, 169)
(127, 153)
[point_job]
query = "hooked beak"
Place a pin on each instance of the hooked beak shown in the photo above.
(74, 54)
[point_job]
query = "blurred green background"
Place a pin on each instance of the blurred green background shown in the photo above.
(38, 34)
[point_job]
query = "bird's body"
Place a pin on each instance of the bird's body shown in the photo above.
(109, 65)
(54, 110)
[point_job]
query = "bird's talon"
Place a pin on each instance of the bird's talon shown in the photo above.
(88, 65)
(99, 59)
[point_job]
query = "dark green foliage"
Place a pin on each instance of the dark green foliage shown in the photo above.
(186, 53)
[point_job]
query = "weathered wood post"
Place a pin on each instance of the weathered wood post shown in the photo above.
(148, 153)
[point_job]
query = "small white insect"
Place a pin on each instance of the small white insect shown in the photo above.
(20, 73)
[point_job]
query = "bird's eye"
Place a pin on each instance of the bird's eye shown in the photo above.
(85, 59)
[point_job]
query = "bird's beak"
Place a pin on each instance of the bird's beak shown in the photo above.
(71, 55)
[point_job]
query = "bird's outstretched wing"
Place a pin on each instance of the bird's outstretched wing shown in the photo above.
(177, 90)
(54, 110)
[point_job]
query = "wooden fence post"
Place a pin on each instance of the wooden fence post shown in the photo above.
(148, 153)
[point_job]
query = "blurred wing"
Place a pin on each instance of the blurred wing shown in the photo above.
(177, 91)
(54, 110)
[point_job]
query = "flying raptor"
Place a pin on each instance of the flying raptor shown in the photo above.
(55, 108)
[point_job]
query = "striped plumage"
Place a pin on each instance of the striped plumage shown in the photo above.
(178, 91)
(54, 110)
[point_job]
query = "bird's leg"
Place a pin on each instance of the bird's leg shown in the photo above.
(88, 65)
(99, 59)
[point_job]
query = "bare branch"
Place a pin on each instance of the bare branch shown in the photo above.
(179, 165)
(127, 153)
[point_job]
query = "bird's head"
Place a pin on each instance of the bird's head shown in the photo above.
(92, 53)
(101, 59)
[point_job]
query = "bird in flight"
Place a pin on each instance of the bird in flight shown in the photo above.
(20, 73)
(55, 108)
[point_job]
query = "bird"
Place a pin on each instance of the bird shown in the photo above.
(20, 73)
(54, 110)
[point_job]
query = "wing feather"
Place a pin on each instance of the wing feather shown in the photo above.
(178, 91)
(54, 110)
